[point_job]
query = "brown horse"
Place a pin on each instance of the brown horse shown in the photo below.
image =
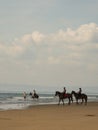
(34, 96)
(81, 96)
(62, 96)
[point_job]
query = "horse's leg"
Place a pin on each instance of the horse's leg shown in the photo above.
(85, 100)
(63, 101)
(69, 101)
(33, 97)
(59, 101)
(82, 100)
(77, 101)
(71, 98)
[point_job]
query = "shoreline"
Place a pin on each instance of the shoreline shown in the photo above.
(53, 104)
(16, 101)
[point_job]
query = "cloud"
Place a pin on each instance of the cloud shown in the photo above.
(37, 37)
(85, 33)
(50, 58)
(64, 45)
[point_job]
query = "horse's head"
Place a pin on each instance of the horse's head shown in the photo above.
(72, 92)
(30, 94)
(57, 93)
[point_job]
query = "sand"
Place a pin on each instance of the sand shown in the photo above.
(51, 117)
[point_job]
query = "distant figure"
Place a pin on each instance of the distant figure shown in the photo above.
(24, 95)
(64, 91)
(34, 93)
(80, 91)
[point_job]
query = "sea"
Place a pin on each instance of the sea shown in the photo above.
(15, 100)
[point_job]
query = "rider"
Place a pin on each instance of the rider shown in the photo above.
(64, 91)
(34, 92)
(80, 91)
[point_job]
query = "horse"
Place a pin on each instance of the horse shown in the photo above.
(63, 96)
(34, 96)
(80, 96)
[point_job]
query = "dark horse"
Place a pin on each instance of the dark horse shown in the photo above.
(62, 96)
(79, 96)
(34, 96)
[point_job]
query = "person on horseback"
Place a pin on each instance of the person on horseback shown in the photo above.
(64, 91)
(80, 91)
(34, 93)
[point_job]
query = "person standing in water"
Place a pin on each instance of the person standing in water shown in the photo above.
(24, 95)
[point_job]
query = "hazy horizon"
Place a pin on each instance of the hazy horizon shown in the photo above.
(6, 88)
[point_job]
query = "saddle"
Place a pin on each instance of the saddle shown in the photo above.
(65, 95)
(79, 95)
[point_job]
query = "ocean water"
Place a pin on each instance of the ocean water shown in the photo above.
(13, 100)
(17, 101)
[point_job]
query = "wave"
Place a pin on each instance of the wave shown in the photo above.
(16, 100)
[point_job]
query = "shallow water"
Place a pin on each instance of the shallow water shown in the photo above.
(16, 100)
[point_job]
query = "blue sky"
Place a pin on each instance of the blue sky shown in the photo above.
(49, 42)
(20, 17)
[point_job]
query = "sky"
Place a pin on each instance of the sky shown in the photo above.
(49, 42)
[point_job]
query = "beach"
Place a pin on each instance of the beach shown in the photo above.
(51, 117)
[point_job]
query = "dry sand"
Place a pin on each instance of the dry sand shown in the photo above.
(51, 117)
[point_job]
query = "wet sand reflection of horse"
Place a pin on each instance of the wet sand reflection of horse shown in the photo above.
(62, 96)
(81, 96)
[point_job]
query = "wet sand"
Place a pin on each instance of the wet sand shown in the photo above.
(51, 117)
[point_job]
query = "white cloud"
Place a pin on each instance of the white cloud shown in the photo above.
(84, 33)
(26, 39)
(37, 37)
(69, 44)
(14, 50)
(62, 54)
